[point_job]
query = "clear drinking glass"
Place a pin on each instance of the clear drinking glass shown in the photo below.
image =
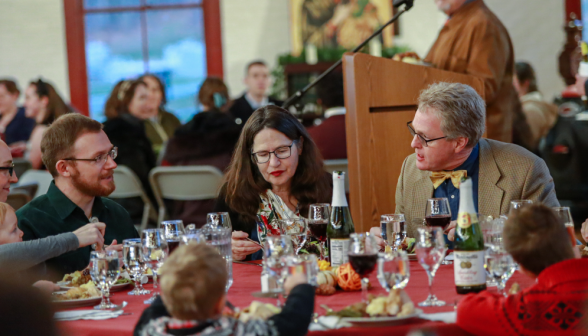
(277, 248)
(438, 214)
(135, 264)
(155, 251)
(193, 237)
(518, 204)
(173, 231)
(219, 218)
(393, 269)
(500, 266)
(306, 264)
(393, 229)
(491, 236)
(363, 257)
(318, 219)
(297, 229)
(220, 238)
(565, 216)
(104, 270)
(430, 251)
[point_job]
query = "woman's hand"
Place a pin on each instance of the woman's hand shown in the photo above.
(241, 247)
(377, 233)
(92, 233)
(584, 230)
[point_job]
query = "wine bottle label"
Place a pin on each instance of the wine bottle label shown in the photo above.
(466, 219)
(339, 249)
(469, 268)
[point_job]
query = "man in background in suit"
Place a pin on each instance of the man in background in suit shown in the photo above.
(257, 79)
(447, 130)
(329, 136)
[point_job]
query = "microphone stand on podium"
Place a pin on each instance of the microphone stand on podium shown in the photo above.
(397, 3)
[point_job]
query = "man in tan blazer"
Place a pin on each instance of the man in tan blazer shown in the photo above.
(447, 130)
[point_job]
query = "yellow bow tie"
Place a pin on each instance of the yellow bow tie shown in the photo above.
(439, 176)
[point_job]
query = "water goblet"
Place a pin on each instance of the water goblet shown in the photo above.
(297, 229)
(430, 251)
(173, 231)
(155, 251)
(318, 220)
(393, 229)
(393, 269)
(306, 264)
(500, 266)
(135, 264)
(104, 270)
(277, 248)
(219, 218)
(363, 257)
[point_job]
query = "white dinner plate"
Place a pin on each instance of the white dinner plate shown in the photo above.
(380, 321)
(64, 285)
(75, 303)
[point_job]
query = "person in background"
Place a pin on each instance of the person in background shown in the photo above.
(80, 157)
(556, 304)
(128, 102)
(329, 136)
(208, 139)
(42, 103)
(541, 116)
(276, 172)
(160, 124)
(193, 293)
(447, 138)
(257, 79)
(15, 127)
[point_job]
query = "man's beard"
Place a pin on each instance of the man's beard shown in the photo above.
(95, 189)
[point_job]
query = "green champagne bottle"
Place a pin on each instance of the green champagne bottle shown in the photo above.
(470, 276)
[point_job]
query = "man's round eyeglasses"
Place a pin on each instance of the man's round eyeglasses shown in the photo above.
(102, 158)
(283, 152)
(10, 169)
(422, 140)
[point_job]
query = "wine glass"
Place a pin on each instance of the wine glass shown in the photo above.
(438, 214)
(104, 270)
(297, 229)
(135, 264)
(155, 251)
(363, 257)
(306, 264)
(219, 218)
(565, 216)
(193, 237)
(173, 231)
(518, 204)
(277, 248)
(500, 266)
(318, 220)
(393, 229)
(393, 269)
(430, 250)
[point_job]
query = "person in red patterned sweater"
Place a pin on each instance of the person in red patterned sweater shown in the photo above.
(556, 304)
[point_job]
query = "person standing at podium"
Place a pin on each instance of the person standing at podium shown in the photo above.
(473, 41)
(447, 139)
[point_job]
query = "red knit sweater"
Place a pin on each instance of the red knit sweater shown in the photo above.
(556, 305)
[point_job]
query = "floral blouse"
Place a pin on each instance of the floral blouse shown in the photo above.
(271, 209)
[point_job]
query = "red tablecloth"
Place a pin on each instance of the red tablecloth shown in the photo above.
(247, 281)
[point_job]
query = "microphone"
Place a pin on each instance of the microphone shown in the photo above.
(407, 3)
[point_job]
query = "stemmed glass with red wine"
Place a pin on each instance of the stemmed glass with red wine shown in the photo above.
(438, 214)
(363, 257)
(173, 231)
(318, 220)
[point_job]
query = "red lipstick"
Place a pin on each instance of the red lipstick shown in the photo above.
(277, 173)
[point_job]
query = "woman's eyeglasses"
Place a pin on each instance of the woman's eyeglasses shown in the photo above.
(283, 152)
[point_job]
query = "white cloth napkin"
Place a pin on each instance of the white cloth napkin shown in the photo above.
(447, 317)
(73, 315)
(328, 323)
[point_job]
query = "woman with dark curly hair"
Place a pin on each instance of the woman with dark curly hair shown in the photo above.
(276, 172)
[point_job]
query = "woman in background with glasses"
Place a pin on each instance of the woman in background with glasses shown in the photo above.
(44, 105)
(276, 172)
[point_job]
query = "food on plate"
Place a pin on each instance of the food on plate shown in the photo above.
(325, 289)
(258, 311)
(347, 278)
(397, 303)
(122, 281)
(326, 277)
(84, 291)
(77, 278)
(408, 245)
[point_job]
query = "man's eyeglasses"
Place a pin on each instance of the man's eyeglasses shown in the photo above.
(102, 158)
(422, 140)
(9, 169)
(283, 152)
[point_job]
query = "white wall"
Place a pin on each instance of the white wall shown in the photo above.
(32, 36)
(32, 42)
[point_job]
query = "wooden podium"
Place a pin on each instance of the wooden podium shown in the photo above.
(380, 98)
